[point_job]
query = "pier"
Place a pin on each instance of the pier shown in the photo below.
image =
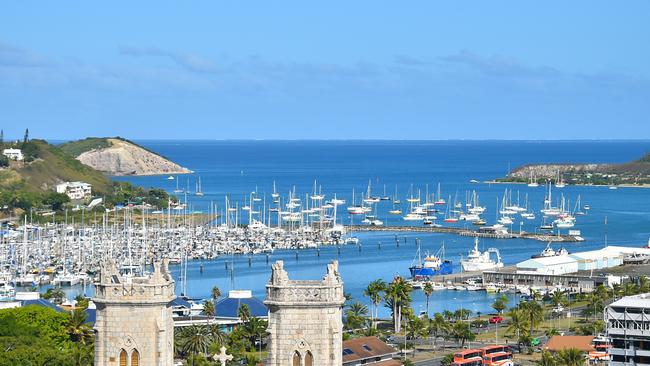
(464, 232)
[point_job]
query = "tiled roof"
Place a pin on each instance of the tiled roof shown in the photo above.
(365, 347)
(558, 343)
(229, 307)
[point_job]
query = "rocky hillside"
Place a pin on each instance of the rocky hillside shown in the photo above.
(117, 156)
(634, 172)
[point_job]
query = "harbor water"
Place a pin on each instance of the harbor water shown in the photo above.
(396, 169)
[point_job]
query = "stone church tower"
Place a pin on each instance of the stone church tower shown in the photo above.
(305, 320)
(134, 325)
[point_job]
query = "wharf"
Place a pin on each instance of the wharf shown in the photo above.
(464, 232)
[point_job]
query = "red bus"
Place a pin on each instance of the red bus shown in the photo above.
(495, 348)
(470, 362)
(498, 359)
(468, 354)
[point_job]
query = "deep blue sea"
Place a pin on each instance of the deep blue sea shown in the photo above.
(237, 168)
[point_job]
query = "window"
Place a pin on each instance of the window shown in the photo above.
(135, 358)
(123, 358)
(367, 348)
(296, 359)
(309, 359)
(347, 352)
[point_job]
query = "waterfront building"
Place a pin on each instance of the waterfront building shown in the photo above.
(305, 319)
(13, 154)
(75, 190)
(628, 327)
(593, 260)
(134, 324)
(228, 308)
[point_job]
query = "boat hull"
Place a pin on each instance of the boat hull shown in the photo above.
(445, 268)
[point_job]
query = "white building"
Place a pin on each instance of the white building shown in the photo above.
(610, 256)
(75, 190)
(13, 154)
(628, 327)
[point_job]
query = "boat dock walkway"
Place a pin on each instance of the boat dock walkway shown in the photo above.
(464, 232)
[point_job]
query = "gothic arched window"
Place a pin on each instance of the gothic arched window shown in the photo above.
(309, 359)
(123, 358)
(296, 359)
(135, 358)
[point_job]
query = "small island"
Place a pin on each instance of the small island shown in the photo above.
(634, 173)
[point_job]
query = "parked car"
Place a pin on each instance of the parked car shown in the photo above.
(496, 319)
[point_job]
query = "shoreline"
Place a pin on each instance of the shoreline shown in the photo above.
(624, 185)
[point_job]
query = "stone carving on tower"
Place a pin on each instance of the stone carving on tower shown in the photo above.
(134, 324)
(305, 318)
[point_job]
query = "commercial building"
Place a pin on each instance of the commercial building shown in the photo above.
(13, 154)
(607, 257)
(75, 190)
(628, 327)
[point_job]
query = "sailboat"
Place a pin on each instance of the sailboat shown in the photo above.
(178, 189)
(532, 182)
(199, 192)
(559, 183)
(440, 201)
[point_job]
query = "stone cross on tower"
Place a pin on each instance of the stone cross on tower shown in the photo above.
(222, 357)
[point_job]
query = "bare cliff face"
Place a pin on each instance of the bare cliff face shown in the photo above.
(124, 158)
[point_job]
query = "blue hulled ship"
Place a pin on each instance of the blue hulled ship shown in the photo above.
(432, 265)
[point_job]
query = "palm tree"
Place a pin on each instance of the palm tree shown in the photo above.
(517, 325)
(398, 295)
(448, 315)
(558, 298)
(462, 332)
(415, 329)
(547, 359)
(217, 335)
(571, 357)
(500, 303)
(208, 308)
(356, 315)
(255, 330)
(373, 291)
(428, 291)
(195, 340)
(216, 294)
(438, 325)
(77, 328)
(533, 312)
(244, 313)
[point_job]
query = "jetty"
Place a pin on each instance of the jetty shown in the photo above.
(466, 232)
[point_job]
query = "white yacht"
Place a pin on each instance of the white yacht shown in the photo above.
(481, 261)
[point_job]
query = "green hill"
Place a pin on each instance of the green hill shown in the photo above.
(76, 148)
(52, 166)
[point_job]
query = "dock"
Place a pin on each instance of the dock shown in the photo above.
(465, 232)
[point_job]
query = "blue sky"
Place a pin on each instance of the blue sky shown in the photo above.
(332, 70)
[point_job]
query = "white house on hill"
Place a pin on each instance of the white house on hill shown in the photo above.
(13, 154)
(75, 190)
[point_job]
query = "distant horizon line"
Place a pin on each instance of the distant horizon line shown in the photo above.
(350, 140)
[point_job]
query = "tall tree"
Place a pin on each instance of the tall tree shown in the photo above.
(398, 296)
(26, 139)
(373, 291)
(216, 294)
(438, 325)
(428, 291)
(533, 312)
(500, 303)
